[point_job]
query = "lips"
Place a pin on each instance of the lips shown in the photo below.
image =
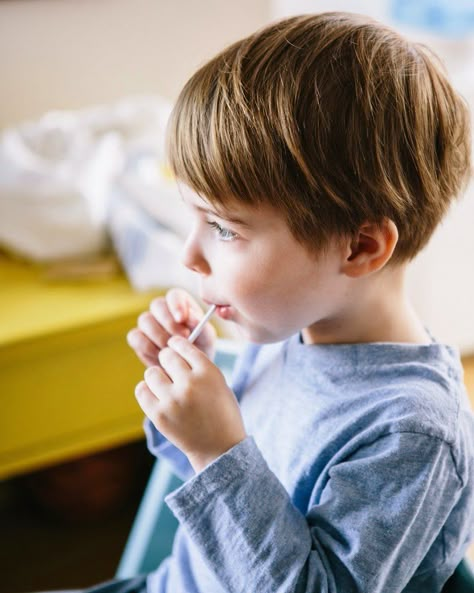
(213, 302)
(224, 311)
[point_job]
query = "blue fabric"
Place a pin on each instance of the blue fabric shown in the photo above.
(451, 18)
(133, 585)
(357, 476)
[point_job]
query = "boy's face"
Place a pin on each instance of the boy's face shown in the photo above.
(261, 278)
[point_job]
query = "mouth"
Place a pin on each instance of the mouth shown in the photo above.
(223, 311)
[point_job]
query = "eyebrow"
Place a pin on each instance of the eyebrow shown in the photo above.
(224, 216)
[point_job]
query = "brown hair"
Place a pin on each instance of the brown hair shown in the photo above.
(334, 120)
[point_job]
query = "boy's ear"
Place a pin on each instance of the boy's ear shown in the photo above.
(370, 249)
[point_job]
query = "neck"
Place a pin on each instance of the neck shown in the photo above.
(377, 309)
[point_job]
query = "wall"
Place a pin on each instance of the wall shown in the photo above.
(67, 54)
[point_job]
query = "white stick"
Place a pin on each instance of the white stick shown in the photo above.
(200, 326)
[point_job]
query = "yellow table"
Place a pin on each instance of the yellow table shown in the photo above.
(67, 375)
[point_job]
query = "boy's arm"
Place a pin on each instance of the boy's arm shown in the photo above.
(373, 525)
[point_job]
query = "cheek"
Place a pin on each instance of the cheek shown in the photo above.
(282, 292)
(243, 287)
(243, 277)
(270, 285)
(257, 289)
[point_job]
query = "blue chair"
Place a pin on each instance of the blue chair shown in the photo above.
(462, 580)
(151, 537)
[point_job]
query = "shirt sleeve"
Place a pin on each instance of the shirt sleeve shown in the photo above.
(159, 446)
(379, 513)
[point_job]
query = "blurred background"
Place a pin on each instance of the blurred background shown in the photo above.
(90, 231)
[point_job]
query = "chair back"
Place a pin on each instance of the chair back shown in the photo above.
(462, 580)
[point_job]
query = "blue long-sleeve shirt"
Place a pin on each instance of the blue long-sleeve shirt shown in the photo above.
(357, 476)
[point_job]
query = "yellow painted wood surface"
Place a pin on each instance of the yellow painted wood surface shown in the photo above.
(67, 375)
(468, 364)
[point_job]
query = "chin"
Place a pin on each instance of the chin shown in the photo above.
(260, 335)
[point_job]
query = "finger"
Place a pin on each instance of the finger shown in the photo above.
(156, 378)
(147, 401)
(155, 332)
(143, 347)
(178, 304)
(148, 362)
(173, 364)
(160, 311)
(189, 352)
(183, 307)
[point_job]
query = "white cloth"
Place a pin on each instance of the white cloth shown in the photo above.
(55, 174)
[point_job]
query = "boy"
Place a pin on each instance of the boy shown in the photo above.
(318, 155)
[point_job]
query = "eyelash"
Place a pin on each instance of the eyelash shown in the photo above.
(222, 233)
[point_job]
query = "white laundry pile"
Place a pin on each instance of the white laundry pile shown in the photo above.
(148, 222)
(73, 180)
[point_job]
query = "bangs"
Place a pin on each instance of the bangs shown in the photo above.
(219, 147)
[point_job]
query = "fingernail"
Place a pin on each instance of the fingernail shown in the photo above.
(131, 338)
(175, 341)
(178, 315)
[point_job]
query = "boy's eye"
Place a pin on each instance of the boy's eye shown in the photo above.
(223, 233)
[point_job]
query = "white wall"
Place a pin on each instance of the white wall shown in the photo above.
(67, 54)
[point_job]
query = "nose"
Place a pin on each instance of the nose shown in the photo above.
(193, 256)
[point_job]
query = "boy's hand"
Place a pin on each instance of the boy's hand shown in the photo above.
(175, 314)
(189, 402)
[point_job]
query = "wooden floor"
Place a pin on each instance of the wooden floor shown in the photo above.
(41, 551)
